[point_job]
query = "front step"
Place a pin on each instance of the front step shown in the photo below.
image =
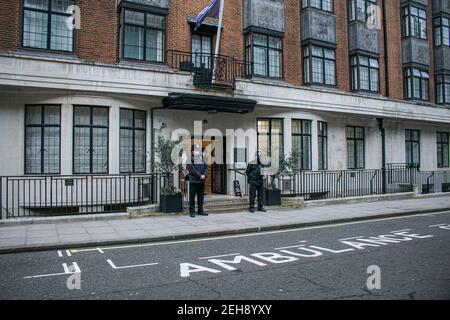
(220, 204)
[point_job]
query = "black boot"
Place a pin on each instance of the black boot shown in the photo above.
(262, 209)
(251, 210)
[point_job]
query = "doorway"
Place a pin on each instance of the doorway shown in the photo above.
(216, 181)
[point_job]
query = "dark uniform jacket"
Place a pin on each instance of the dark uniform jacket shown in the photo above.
(197, 169)
(253, 173)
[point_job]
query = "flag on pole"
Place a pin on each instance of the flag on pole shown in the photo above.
(212, 10)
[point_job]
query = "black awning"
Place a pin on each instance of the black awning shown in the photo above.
(209, 103)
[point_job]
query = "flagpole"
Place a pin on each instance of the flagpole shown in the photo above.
(219, 33)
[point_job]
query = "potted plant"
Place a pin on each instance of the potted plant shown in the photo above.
(272, 194)
(170, 199)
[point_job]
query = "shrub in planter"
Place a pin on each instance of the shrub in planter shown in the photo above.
(272, 197)
(171, 200)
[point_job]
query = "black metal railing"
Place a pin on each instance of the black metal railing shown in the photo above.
(208, 69)
(22, 196)
(315, 185)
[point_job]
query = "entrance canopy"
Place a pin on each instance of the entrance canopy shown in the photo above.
(209, 103)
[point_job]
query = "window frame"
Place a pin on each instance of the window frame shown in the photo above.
(407, 25)
(322, 142)
(409, 79)
(442, 81)
(42, 127)
(356, 86)
(409, 157)
(308, 71)
(269, 134)
(438, 24)
(440, 155)
(49, 14)
(307, 4)
(123, 25)
(353, 13)
(133, 129)
(250, 60)
(202, 35)
(356, 165)
(91, 127)
(302, 134)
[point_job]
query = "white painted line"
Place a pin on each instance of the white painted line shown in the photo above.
(100, 250)
(220, 256)
(66, 272)
(68, 253)
(290, 247)
(60, 253)
(352, 238)
(133, 266)
(46, 275)
(437, 225)
(401, 230)
(153, 244)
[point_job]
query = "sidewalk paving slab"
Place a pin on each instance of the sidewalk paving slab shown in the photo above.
(66, 235)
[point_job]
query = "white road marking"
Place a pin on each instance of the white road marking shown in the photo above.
(133, 266)
(352, 238)
(68, 253)
(60, 253)
(100, 250)
(220, 256)
(401, 230)
(66, 272)
(437, 225)
(255, 234)
(290, 247)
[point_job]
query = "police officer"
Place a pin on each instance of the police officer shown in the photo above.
(198, 171)
(255, 180)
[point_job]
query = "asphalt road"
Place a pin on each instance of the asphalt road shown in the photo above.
(326, 262)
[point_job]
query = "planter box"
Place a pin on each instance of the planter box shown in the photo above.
(272, 197)
(171, 203)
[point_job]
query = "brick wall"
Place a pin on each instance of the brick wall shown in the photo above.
(342, 60)
(292, 67)
(10, 25)
(431, 47)
(394, 42)
(179, 30)
(97, 38)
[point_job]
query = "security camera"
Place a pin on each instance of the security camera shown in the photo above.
(163, 124)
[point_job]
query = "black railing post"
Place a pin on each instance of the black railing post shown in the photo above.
(1, 198)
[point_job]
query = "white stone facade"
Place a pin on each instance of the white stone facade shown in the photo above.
(36, 80)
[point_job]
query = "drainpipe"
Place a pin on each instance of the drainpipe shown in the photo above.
(152, 155)
(383, 152)
(385, 41)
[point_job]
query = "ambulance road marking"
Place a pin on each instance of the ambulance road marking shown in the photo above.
(220, 256)
(256, 234)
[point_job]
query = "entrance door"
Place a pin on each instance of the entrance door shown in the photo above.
(217, 177)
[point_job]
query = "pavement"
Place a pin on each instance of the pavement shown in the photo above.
(38, 237)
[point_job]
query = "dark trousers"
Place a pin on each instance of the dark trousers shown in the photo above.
(253, 190)
(196, 189)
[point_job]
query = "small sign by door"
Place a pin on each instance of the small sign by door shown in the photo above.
(237, 189)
